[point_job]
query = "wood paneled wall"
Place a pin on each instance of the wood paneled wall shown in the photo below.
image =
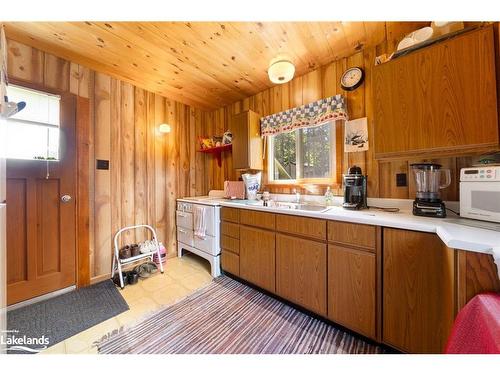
(321, 83)
(148, 170)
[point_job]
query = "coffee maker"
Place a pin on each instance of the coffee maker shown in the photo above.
(355, 189)
(428, 181)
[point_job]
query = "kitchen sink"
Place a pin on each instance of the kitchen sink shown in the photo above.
(311, 207)
(301, 207)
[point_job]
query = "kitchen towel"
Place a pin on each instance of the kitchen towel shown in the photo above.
(200, 222)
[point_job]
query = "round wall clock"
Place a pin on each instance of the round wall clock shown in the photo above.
(352, 78)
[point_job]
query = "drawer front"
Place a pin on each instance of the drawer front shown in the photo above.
(230, 262)
(231, 244)
(230, 214)
(208, 245)
(185, 236)
(258, 219)
(360, 235)
(230, 229)
(303, 226)
(184, 220)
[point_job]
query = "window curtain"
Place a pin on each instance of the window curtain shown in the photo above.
(309, 115)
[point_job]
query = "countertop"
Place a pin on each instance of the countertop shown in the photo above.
(455, 232)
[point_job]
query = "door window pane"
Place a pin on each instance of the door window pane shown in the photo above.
(33, 133)
(284, 156)
(40, 107)
(26, 141)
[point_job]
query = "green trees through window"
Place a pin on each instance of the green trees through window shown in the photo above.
(303, 153)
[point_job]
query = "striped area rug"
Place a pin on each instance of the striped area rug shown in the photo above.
(228, 317)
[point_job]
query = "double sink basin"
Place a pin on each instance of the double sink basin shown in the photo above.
(289, 205)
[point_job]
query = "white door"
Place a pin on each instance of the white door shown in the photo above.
(3, 278)
(3, 250)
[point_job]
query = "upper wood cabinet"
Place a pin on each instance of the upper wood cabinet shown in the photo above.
(439, 100)
(247, 142)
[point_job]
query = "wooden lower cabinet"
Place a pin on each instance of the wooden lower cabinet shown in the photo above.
(419, 302)
(301, 272)
(352, 293)
(258, 257)
(230, 262)
(399, 287)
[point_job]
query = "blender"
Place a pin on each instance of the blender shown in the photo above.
(429, 181)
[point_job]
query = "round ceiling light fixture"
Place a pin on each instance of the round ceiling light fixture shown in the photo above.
(281, 70)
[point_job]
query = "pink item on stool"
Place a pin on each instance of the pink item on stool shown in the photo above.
(163, 255)
(234, 189)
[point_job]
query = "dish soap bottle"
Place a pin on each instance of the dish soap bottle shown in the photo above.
(329, 196)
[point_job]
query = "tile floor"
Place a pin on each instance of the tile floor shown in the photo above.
(182, 277)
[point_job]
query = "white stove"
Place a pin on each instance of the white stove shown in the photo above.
(206, 246)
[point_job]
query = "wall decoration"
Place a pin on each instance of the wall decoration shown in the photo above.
(308, 115)
(352, 78)
(356, 135)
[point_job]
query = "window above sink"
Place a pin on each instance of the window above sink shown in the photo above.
(307, 155)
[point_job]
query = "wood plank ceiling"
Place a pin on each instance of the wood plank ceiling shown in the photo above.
(204, 64)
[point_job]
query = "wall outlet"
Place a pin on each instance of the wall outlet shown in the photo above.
(401, 179)
(102, 164)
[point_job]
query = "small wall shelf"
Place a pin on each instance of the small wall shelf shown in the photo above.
(217, 151)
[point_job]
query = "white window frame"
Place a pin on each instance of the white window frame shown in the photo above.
(299, 179)
(43, 124)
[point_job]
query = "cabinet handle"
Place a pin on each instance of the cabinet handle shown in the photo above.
(181, 214)
(182, 231)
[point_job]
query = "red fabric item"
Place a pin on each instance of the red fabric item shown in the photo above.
(477, 327)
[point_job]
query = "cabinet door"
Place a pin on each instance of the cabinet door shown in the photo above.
(301, 272)
(230, 262)
(352, 289)
(258, 257)
(247, 143)
(418, 290)
(440, 99)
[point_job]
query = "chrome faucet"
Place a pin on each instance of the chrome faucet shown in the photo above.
(297, 196)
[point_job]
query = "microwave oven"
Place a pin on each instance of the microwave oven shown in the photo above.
(480, 193)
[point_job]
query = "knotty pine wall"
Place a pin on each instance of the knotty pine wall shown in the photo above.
(148, 171)
(321, 83)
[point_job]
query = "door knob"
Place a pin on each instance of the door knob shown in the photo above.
(65, 198)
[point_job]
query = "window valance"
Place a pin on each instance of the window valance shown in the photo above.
(308, 115)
